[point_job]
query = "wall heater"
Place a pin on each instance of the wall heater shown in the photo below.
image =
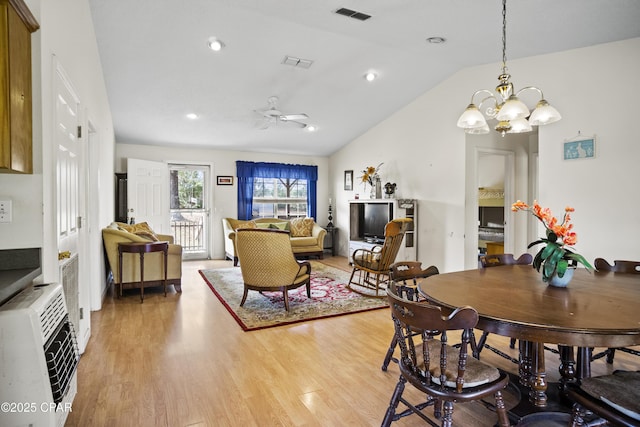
(38, 358)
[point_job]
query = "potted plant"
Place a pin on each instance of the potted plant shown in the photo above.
(555, 258)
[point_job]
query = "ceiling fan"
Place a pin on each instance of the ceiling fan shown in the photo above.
(273, 117)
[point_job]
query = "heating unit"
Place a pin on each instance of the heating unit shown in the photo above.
(38, 358)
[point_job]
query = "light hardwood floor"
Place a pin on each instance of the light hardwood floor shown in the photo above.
(183, 361)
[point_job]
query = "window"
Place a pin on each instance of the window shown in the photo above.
(276, 190)
(279, 198)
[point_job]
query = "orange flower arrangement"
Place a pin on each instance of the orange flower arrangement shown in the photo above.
(556, 256)
(369, 174)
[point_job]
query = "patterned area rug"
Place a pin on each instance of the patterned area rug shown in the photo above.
(329, 297)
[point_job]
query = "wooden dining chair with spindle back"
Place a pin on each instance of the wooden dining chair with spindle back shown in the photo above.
(445, 374)
(496, 260)
(618, 267)
(405, 275)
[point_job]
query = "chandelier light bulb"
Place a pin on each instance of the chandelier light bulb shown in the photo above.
(544, 114)
(512, 109)
(472, 118)
(520, 126)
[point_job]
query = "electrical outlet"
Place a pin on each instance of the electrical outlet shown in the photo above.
(5, 210)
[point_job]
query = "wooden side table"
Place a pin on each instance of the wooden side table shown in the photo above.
(332, 233)
(142, 248)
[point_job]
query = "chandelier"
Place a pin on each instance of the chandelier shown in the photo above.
(510, 112)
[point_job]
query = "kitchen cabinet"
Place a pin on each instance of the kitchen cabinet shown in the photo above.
(16, 25)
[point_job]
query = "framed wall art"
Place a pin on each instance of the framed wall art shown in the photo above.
(579, 147)
(225, 180)
(348, 180)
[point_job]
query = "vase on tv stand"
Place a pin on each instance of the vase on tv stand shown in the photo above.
(376, 188)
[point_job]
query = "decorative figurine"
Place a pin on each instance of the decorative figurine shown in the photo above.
(389, 189)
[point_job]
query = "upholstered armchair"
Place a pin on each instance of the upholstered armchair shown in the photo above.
(153, 262)
(268, 264)
(303, 244)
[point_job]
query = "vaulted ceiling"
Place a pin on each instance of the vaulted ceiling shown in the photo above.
(158, 66)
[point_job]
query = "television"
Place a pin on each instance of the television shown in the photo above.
(376, 217)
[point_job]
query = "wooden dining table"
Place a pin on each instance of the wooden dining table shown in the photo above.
(597, 309)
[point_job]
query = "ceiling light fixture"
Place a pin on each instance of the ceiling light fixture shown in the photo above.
(370, 76)
(192, 116)
(215, 44)
(510, 111)
(311, 128)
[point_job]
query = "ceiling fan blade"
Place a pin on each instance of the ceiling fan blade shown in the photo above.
(289, 117)
(294, 123)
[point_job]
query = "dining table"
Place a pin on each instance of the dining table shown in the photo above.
(596, 309)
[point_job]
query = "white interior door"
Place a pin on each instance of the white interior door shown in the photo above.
(71, 159)
(148, 193)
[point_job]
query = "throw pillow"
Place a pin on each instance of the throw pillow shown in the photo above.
(279, 225)
(301, 227)
(142, 229)
(263, 225)
(248, 224)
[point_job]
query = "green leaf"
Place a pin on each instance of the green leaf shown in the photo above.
(579, 258)
(548, 250)
(552, 260)
(537, 242)
(537, 260)
(561, 268)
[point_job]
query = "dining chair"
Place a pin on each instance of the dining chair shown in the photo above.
(496, 260)
(622, 267)
(614, 398)
(443, 373)
(372, 265)
(405, 275)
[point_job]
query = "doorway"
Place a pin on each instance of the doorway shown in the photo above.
(189, 210)
(513, 154)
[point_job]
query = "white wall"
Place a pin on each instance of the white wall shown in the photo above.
(66, 31)
(224, 198)
(424, 152)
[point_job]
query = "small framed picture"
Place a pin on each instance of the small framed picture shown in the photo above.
(225, 180)
(348, 180)
(580, 148)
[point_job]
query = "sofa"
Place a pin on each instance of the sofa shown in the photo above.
(153, 262)
(307, 237)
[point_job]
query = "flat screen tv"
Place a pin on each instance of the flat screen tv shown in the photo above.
(376, 216)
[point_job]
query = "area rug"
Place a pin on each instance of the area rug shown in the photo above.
(329, 297)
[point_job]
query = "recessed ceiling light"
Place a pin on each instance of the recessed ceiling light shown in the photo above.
(370, 76)
(215, 44)
(311, 128)
(436, 40)
(192, 116)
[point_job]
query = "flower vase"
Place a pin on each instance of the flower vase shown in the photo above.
(378, 189)
(562, 282)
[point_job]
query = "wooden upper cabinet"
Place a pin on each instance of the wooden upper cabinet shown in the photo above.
(16, 25)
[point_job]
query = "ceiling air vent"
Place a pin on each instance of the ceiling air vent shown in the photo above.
(353, 14)
(297, 62)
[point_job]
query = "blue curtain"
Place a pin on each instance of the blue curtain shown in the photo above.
(247, 171)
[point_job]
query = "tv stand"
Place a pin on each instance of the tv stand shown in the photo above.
(401, 208)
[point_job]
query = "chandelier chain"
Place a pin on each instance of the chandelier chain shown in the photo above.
(504, 36)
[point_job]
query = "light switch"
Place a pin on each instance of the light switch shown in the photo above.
(5, 210)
